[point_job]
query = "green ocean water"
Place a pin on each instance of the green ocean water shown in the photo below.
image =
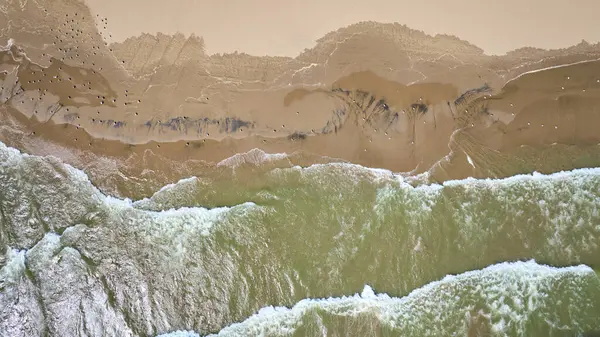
(328, 250)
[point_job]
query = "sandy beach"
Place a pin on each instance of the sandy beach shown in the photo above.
(378, 95)
(251, 27)
(337, 175)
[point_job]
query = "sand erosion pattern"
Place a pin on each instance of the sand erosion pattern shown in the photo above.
(380, 95)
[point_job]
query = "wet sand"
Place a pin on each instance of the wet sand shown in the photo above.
(378, 95)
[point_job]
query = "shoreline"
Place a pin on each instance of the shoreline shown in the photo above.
(452, 115)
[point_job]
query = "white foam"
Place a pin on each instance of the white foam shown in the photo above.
(352, 170)
(255, 156)
(180, 182)
(470, 161)
(180, 333)
(520, 178)
(418, 247)
(497, 284)
(12, 271)
(9, 43)
(368, 292)
(427, 193)
(385, 174)
(79, 175)
(170, 191)
(549, 68)
(168, 222)
(175, 224)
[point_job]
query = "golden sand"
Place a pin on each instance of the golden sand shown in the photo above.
(378, 95)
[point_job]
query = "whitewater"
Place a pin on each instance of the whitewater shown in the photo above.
(505, 257)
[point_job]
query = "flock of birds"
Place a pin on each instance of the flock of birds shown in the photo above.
(80, 52)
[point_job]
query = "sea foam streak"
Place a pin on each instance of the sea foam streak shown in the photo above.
(254, 156)
(509, 295)
(58, 226)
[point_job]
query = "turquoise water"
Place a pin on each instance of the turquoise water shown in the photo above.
(282, 253)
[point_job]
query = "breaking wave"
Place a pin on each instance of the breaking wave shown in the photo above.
(500, 300)
(78, 260)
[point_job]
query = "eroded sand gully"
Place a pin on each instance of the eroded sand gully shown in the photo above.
(379, 95)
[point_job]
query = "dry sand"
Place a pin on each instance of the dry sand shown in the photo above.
(285, 28)
(379, 95)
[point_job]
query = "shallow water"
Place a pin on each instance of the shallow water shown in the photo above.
(203, 254)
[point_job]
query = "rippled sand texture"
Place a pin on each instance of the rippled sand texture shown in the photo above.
(380, 95)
